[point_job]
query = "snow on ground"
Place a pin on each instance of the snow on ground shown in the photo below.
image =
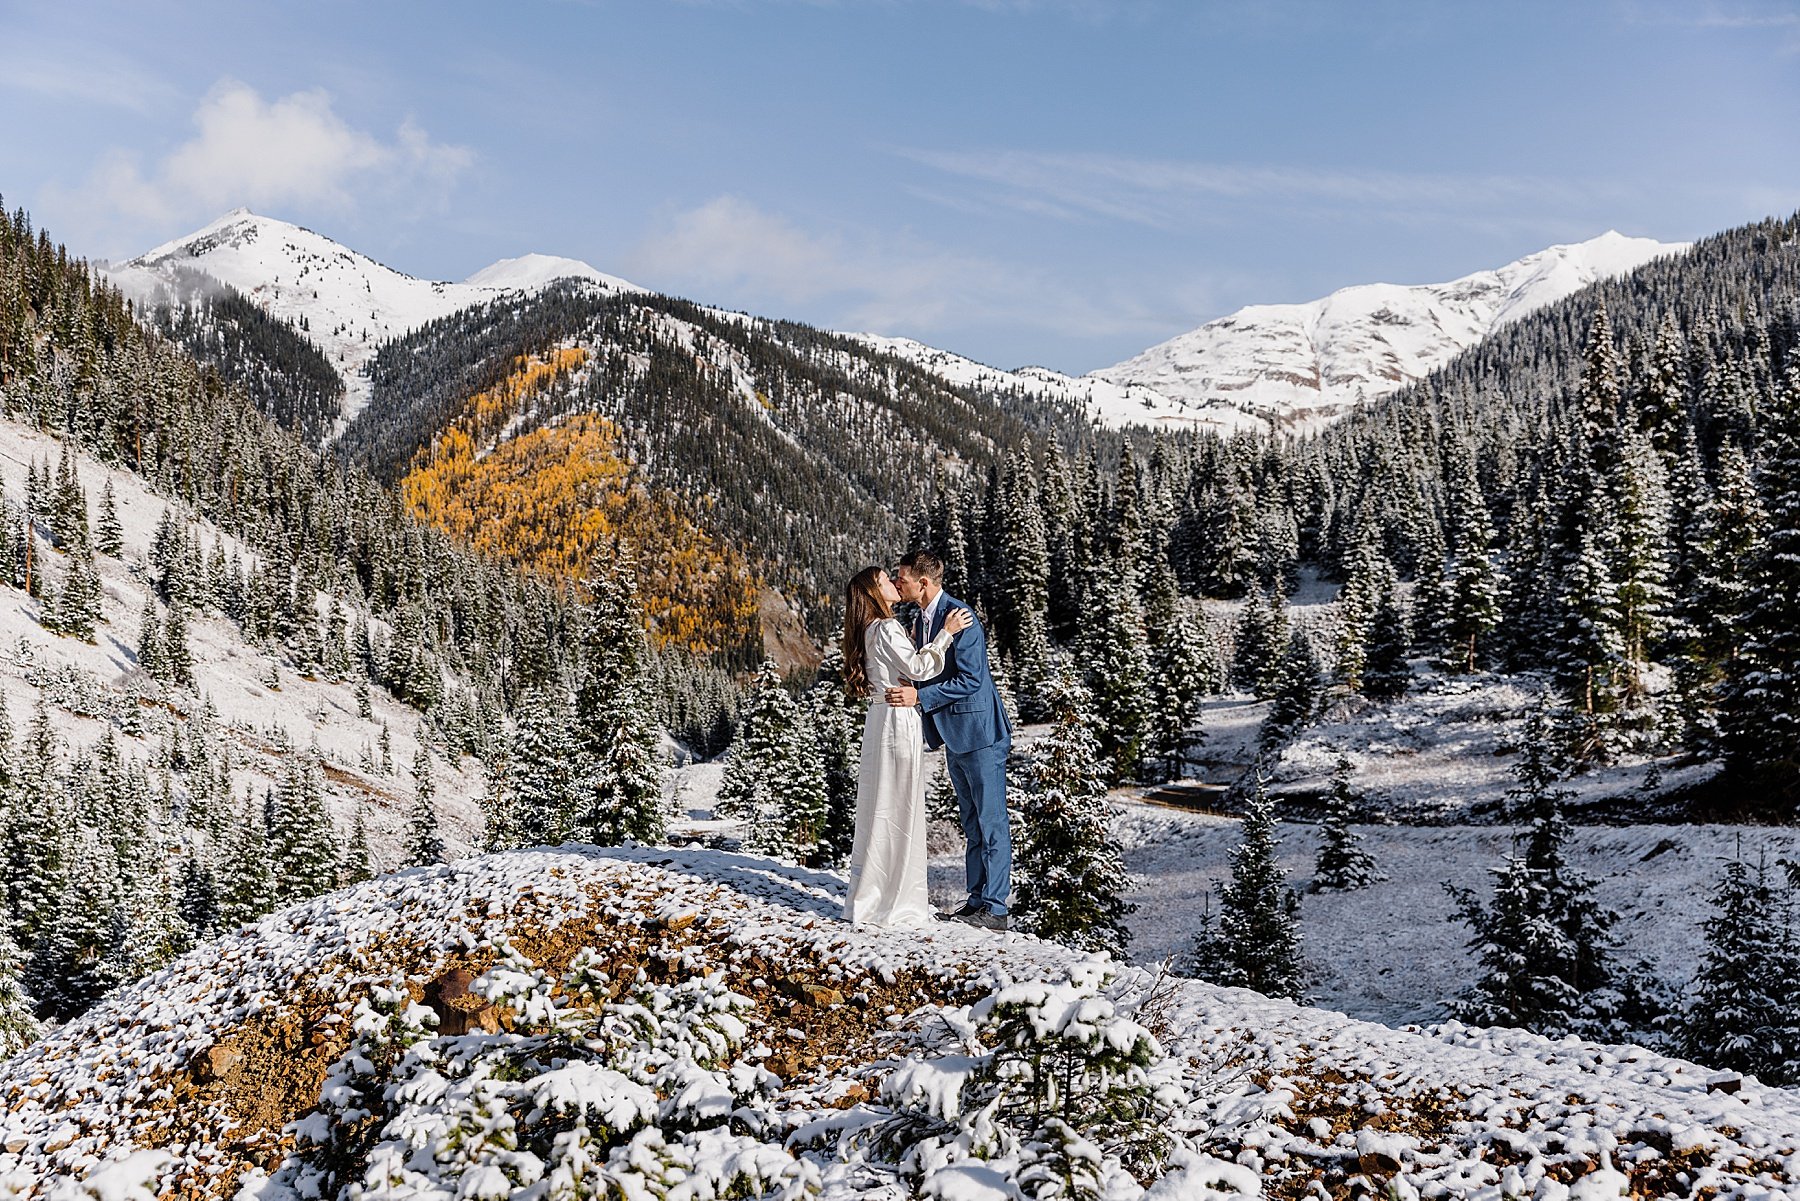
(210, 1058)
(230, 672)
(1388, 952)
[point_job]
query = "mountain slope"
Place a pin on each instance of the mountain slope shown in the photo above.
(1298, 366)
(346, 302)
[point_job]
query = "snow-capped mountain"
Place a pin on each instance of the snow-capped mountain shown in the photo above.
(346, 302)
(1297, 366)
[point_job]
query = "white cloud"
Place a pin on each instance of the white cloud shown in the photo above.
(733, 251)
(291, 152)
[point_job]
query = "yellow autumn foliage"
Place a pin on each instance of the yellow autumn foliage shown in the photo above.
(562, 500)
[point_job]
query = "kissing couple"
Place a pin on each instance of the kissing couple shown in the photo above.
(928, 687)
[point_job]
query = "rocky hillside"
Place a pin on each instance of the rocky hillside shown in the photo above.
(524, 1022)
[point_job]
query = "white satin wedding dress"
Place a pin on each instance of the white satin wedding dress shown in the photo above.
(887, 858)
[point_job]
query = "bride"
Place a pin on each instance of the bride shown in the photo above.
(887, 859)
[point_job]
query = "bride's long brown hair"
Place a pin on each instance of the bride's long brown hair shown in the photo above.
(863, 605)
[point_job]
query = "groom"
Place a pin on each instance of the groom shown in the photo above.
(960, 711)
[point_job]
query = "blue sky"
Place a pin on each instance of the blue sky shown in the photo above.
(1061, 182)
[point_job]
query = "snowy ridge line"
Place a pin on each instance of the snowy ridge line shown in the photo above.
(1422, 1111)
(346, 303)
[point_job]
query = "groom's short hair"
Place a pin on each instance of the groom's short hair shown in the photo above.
(925, 565)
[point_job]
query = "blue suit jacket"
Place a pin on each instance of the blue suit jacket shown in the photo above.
(960, 707)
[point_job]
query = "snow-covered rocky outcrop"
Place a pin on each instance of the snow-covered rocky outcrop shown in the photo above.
(562, 1016)
(346, 302)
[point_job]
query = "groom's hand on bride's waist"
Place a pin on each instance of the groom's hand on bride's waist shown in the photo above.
(903, 696)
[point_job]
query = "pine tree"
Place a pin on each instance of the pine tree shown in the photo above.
(248, 888)
(151, 657)
(539, 783)
(1543, 943)
(424, 842)
(364, 708)
(1256, 943)
(1760, 715)
(1069, 869)
(18, 1023)
(837, 719)
(359, 862)
(1368, 574)
(109, 535)
(69, 968)
(1258, 642)
(1474, 584)
(1386, 674)
(302, 841)
(38, 850)
(629, 803)
(177, 658)
(1745, 1007)
(1299, 691)
(1118, 677)
(1178, 676)
(1342, 864)
(747, 793)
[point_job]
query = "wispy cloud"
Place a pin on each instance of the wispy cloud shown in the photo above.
(1174, 194)
(271, 154)
(732, 248)
(81, 74)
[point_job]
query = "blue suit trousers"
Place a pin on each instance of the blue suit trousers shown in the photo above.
(979, 779)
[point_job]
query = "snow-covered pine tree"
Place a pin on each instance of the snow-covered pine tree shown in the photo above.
(775, 781)
(1299, 691)
(150, 645)
(109, 534)
(1178, 675)
(69, 968)
(1474, 583)
(1069, 869)
(38, 834)
(247, 888)
(837, 720)
(1365, 571)
(1761, 710)
(540, 772)
(1386, 673)
(1744, 1006)
(1257, 644)
(424, 839)
(359, 861)
(1256, 942)
(18, 1021)
(1117, 674)
(1544, 944)
(364, 705)
(629, 803)
(1342, 863)
(302, 841)
(1642, 557)
(178, 658)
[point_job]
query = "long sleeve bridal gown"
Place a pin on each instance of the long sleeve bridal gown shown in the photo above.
(887, 859)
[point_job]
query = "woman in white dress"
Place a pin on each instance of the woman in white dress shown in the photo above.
(887, 858)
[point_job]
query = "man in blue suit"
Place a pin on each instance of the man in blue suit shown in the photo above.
(961, 712)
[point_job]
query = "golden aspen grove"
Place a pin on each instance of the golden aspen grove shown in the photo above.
(561, 499)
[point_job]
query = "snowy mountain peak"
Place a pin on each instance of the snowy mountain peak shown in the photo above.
(530, 271)
(1298, 366)
(344, 301)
